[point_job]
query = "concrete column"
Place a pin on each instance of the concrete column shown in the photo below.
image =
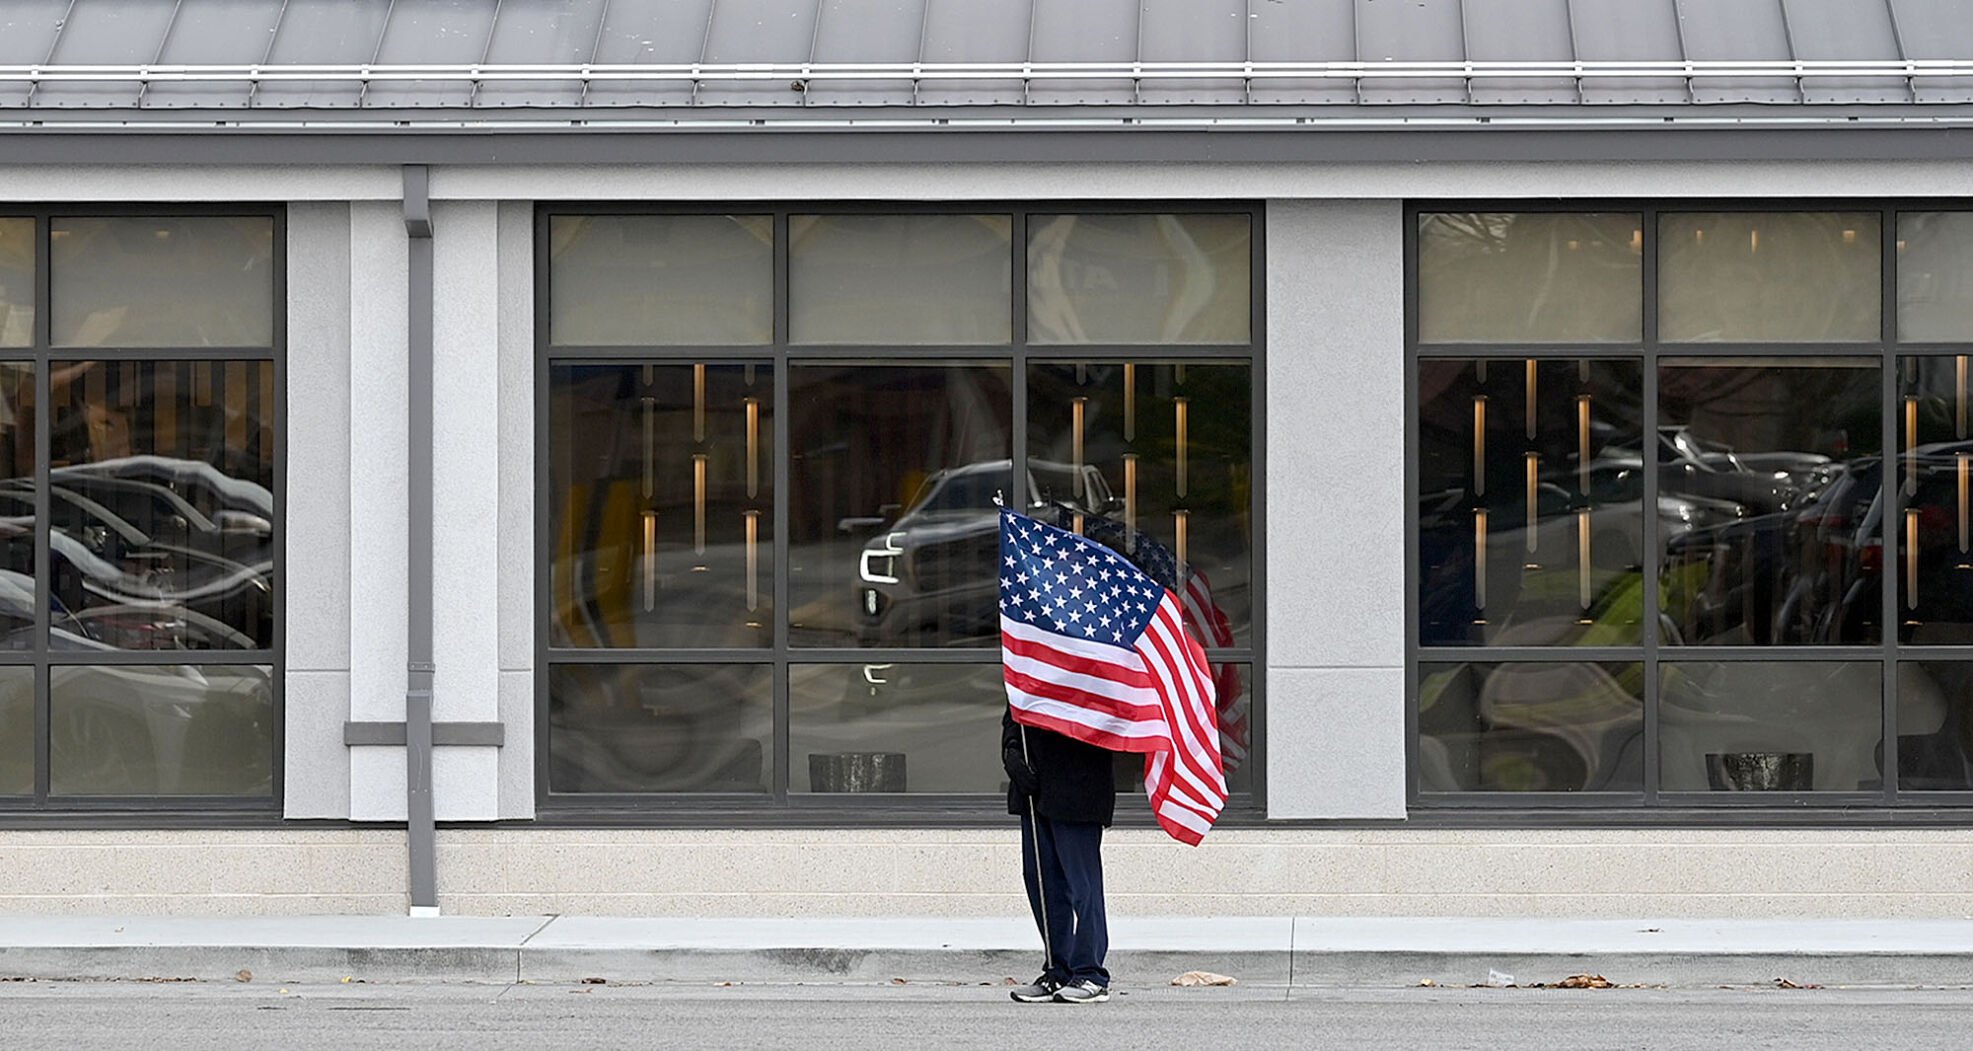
(316, 519)
(378, 384)
(467, 562)
(1335, 507)
(516, 551)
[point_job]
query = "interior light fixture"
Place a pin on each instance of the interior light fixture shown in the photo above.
(753, 445)
(752, 518)
(1533, 462)
(699, 505)
(1582, 558)
(1180, 521)
(1480, 558)
(1910, 444)
(1130, 500)
(1582, 444)
(1963, 461)
(1130, 401)
(698, 401)
(650, 560)
(1959, 397)
(1479, 445)
(1078, 408)
(1180, 408)
(1636, 239)
(650, 447)
(1911, 557)
(1532, 390)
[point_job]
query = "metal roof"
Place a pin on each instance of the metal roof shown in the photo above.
(264, 62)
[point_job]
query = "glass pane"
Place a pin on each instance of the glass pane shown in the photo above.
(900, 279)
(178, 281)
(1935, 276)
(662, 506)
(1935, 472)
(17, 603)
(895, 728)
(16, 731)
(1769, 277)
(162, 535)
(1935, 726)
(676, 728)
(1771, 467)
(1788, 726)
(893, 537)
(1140, 278)
(1531, 502)
(1531, 727)
(161, 730)
(661, 280)
(16, 282)
(1530, 277)
(1153, 457)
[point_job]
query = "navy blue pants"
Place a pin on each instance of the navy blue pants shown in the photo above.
(1066, 896)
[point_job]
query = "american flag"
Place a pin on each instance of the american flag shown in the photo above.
(1094, 649)
(1203, 617)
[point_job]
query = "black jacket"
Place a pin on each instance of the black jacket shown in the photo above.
(1078, 781)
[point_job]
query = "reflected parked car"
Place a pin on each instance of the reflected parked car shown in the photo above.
(935, 569)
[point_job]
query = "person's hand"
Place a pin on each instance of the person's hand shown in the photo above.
(1019, 773)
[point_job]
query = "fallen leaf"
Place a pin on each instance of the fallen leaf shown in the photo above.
(899, 981)
(345, 979)
(1584, 981)
(1196, 978)
(1783, 983)
(1010, 981)
(595, 981)
(1427, 983)
(243, 975)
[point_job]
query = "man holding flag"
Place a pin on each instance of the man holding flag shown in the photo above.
(1096, 660)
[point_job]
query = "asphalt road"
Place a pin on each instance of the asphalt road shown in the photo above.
(195, 1016)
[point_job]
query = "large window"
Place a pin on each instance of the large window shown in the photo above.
(139, 409)
(774, 440)
(1691, 506)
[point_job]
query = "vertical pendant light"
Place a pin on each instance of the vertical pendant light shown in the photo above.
(1532, 391)
(1582, 444)
(753, 558)
(1911, 557)
(1479, 445)
(1910, 444)
(1129, 401)
(1130, 500)
(698, 401)
(650, 560)
(1582, 558)
(753, 445)
(1078, 409)
(1480, 559)
(1179, 418)
(699, 504)
(1533, 461)
(1962, 461)
(1959, 397)
(650, 447)
(1180, 520)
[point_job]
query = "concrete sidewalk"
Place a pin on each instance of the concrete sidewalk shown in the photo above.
(1299, 951)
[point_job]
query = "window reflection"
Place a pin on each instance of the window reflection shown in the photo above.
(895, 728)
(661, 280)
(1779, 458)
(1935, 276)
(1531, 502)
(17, 601)
(162, 475)
(161, 729)
(1935, 479)
(1136, 454)
(893, 538)
(1530, 277)
(1935, 726)
(1140, 278)
(674, 728)
(663, 498)
(178, 281)
(16, 731)
(1758, 277)
(16, 282)
(901, 279)
(1785, 726)
(1547, 727)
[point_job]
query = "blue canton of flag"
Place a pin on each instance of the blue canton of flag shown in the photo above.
(1071, 585)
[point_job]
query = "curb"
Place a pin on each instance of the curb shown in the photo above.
(821, 965)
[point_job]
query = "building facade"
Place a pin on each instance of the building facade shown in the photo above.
(573, 460)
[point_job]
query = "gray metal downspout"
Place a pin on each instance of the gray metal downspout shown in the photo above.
(420, 831)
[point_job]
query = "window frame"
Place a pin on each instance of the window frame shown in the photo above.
(158, 810)
(779, 806)
(1653, 804)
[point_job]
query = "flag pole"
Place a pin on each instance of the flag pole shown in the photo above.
(1034, 828)
(1034, 838)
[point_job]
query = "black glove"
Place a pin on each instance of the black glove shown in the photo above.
(1019, 773)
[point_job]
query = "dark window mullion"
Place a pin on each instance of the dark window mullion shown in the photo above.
(784, 379)
(43, 429)
(1890, 629)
